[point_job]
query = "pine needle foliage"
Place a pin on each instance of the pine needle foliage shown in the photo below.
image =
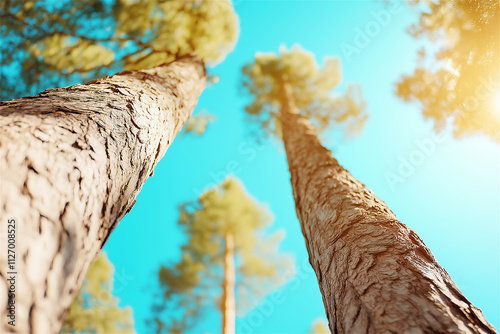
(95, 309)
(460, 83)
(312, 89)
(191, 286)
(49, 43)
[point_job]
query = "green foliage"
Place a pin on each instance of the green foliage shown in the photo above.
(312, 90)
(189, 287)
(95, 309)
(459, 83)
(46, 43)
(197, 124)
(319, 327)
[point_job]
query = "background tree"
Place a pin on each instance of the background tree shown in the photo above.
(47, 44)
(95, 309)
(375, 274)
(226, 247)
(74, 159)
(312, 87)
(461, 81)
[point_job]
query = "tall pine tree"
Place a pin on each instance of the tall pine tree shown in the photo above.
(375, 274)
(226, 246)
(74, 159)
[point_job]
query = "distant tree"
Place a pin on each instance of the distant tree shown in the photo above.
(461, 81)
(375, 274)
(74, 159)
(95, 309)
(225, 247)
(312, 87)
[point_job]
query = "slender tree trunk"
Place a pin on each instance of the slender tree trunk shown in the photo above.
(228, 286)
(72, 163)
(375, 274)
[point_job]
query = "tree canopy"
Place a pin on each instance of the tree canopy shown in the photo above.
(459, 82)
(188, 286)
(47, 43)
(311, 88)
(95, 309)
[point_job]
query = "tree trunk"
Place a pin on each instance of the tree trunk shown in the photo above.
(375, 274)
(228, 286)
(72, 162)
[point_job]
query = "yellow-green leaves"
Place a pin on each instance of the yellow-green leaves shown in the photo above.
(312, 90)
(461, 82)
(28, 5)
(229, 208)
(184, 276)
(198, 123)
(69, 55)
(95, 309)
(47, 44)
(170, 29)
(191, 285)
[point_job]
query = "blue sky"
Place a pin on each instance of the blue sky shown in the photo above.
(449, 194)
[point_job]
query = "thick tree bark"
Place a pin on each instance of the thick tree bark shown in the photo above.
(72, 163)
(375, 274)
(228, 286)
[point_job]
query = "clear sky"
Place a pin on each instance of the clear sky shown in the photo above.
(450, 198)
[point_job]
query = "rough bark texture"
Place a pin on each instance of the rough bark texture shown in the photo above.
(72, 162)
(228, 286)
(375, 274)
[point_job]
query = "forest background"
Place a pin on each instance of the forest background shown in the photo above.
(450, 198)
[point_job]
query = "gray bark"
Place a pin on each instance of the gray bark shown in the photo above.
(375, 274)
(72, 163)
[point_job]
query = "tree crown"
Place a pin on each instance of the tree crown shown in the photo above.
(311, 89)
(188, 285)
(460, 82)
(48, 43)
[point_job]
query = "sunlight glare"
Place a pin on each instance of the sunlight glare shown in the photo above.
(497, 101)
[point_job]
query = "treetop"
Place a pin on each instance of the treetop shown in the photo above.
(312, 87)
(49, 43)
